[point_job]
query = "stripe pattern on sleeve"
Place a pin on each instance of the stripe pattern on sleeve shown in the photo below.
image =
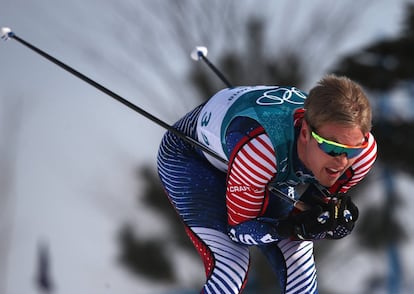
(252, 166)
(362, 165)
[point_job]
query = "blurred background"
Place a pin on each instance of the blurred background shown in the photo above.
(81, 207)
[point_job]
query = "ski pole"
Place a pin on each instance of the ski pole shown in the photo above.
(6, 33)
(302, 206)
(200, 52)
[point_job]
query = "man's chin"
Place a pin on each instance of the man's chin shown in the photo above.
(327, 181)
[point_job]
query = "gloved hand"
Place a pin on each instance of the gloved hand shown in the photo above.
(347, 215)
(310, 224)
(345, 211)
(332, 218)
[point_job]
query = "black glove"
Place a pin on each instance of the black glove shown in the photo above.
(311, 224)
(347, 215)
(329, 217)
(345, 212)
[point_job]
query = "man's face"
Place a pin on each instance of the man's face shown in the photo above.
(326, 168)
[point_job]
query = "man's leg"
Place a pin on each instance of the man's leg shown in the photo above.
(294, 264)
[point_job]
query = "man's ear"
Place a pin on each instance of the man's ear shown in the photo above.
(304, 133)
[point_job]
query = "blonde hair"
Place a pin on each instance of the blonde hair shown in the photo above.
(338, 100)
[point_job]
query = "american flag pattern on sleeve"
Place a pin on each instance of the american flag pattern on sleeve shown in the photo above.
(251, 168)
(362, 165)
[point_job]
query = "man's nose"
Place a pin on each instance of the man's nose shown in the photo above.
(342, 158)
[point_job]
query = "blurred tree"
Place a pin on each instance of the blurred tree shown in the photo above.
(145, 257)
(382, 67)
(385, 64)
(379, 227)
(149, 257)
(43, 276)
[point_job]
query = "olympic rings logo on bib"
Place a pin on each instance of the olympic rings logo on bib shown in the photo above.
(281, 95)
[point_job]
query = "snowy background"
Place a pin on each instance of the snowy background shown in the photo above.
(69, 154)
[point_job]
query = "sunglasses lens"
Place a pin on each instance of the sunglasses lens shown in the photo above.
(351, 153)
(333, 150)
(336, 149)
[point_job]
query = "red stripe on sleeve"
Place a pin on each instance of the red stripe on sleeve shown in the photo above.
(251, 168)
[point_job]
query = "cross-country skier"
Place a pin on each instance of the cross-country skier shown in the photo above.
(277, 139)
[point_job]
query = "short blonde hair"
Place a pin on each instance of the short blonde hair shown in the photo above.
(338, 100)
